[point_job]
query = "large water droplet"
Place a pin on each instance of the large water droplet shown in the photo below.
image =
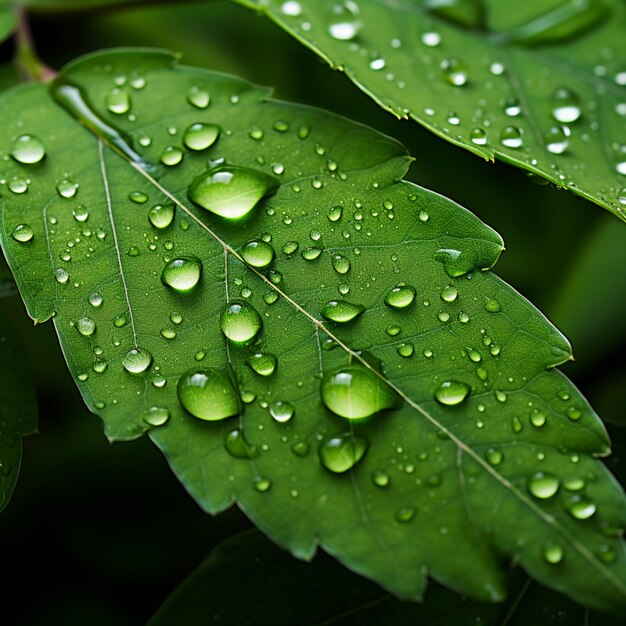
(182, 274)
(156, 416)
(86, 326)
(161, 215)
(240, 323)
(137, 360)
(345, 22)
(263, 363)
(340, 453)
(231, 191)
(511, 137)
(565, 106)
(257, 253)
(282, 411)
(354, 392)
(201, 136)
(580, 507)
(452, 392)
(553, 553)
(340, 264)
(543, 485)
(209, 394)
(341, 311)
(28, 149)
(22, 233)
(67, 188)
(198, 97)
(118, 101)
(400, 297)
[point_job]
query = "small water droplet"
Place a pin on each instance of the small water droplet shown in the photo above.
(405, 514)
(557, 139)
(282, 411)
(478, 136)
(182, 274)
(263, 363)
(340, 264)
(171, 156)
(400, 297)
(262, 484)
(431, 39)
(492, 305)
(67, 189)
(292, 8)
(156, 416)
(565, 106)
(452, 392)
(138, 197)
(238, 447)
(137, 360)
(454, 71)
(511, 137)
(86, 326)
(18, 185)
(380, 478)
(118, 101)
(161, 215)
(543, 485)
(553, 553)
(310, 254)
(28, 149)
(198, 97)
(300, 448)
(449, 293)
(201, 136)
(209, 394)
(22, 233)
(494, 457)
(230, 191)
(344, 21)
(537, 418)
(257, 253)
(240, 323)
(61, 275)
(341, 311)
(580, 507)
(512, 107)
(335, 213)
(340, 453)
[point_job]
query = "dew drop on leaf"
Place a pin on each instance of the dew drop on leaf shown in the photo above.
(257, 253)
(118, 101)
(240, 323)
(340, 453)
(67, 189)
(341, 311)
(400, 297)
(28, 149)
(161, 215)
(22, 233)
(340, 264)
(282, 411)
(344, 20)
(580, 507)
(86, 326)
(238, 447)
(354, 392)
(262, 484)
(454, 71)
(208, 394)
(171, 156)
(452, 392)
(231, 191)
(198, 97)
(449, 293)
(182, 274)
(557, 139)
(565, 106)
(511, 137)
(553, 553)
(137, 360)
(263, 363)
(200, 136)
(543, 485)
(380, 478)
(156, 416)
(405, 514)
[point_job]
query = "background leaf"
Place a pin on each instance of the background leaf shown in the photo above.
(18, 408)
(478, 79)
(7, 21)
(428, 472)
(272, 588)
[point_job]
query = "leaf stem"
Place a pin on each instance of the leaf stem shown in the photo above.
(29, 65)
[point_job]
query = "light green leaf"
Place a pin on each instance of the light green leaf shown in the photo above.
(7, 21)
(486, 75)
(435, 489)
(18, 407)
(249, 582)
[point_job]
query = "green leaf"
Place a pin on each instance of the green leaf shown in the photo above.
(469, 70)
(7, 21)
(248, 581)
(18, 408)
(342, 227)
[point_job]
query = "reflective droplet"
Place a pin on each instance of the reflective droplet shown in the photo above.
(380, 478)
(452, 392)
(257, 253)
(156, 416)
(454, 71)
(80, 213)
(86, 326)
(182, 274)
(340, 453)
(580, 507)
(262, 484)
(118, 101)
(137, 360)
(61, 275)
(310, 254)
(354, 392)
(553, 553)
(67, 188)
(209, 394)
(565, 106)
(405, 514)
(340, 264)
(237, 446)
(400, 297)
(18, 185)
(494, 457)
(341, 311)
(300, 448)
(292, 8)
(557, 139)
(537, 418)
(161, 215)
(431, 39)
(478, 136)
(282, 411)
(28, 149)
(492, 305)
(138, 197)
(344, 21)
(263, 363)
(171, 155)
(334, 213)
(512, 107)
(201, 136)
(449, 293)
(240, 323)
(198, 98)
(230, 191)
(511, 137)
(22, 233)
(543, 485)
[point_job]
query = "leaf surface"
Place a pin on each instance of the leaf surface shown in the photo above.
(486, 75)
(259, 574)
(18, 406)
(442, 489)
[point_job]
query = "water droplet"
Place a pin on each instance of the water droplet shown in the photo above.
(262, 484)
(156, 416)
(340, 453)
(257, 253)
(354, 392)
(282, 411)
(380, 478)
(291, 8)
(161, 215)
(120, 320)
(543, 485)
(28, 149)
(454, 71)
(341, 264)
(22, 233)
(406, 350)
(452, 392)
(580, 507)
(61, 275)
(67, 188)
(553, 553)
(240, 323)
(201, 136)
(492, 305)
(377, 64)
(494, 457)
(400, 297)
(137, 360)
(230, 191)
(80, 213)
(18, 185)
(512, 107)
(310, 254)
(565, 106)
(300, 448)
(209, 394)
(263, 363)
(198, 98)
(138, 197)
(171, 155)
(537, 418)
(478, 136)
(405, 514)
(335, 213)
(182, 274)
(237, 446)
(449, 293)
(431, 39)
(118, 101)
(511, 137)
(341, 311)
(86, 326)
(606, 553)
(344, 21)
(557, 139)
